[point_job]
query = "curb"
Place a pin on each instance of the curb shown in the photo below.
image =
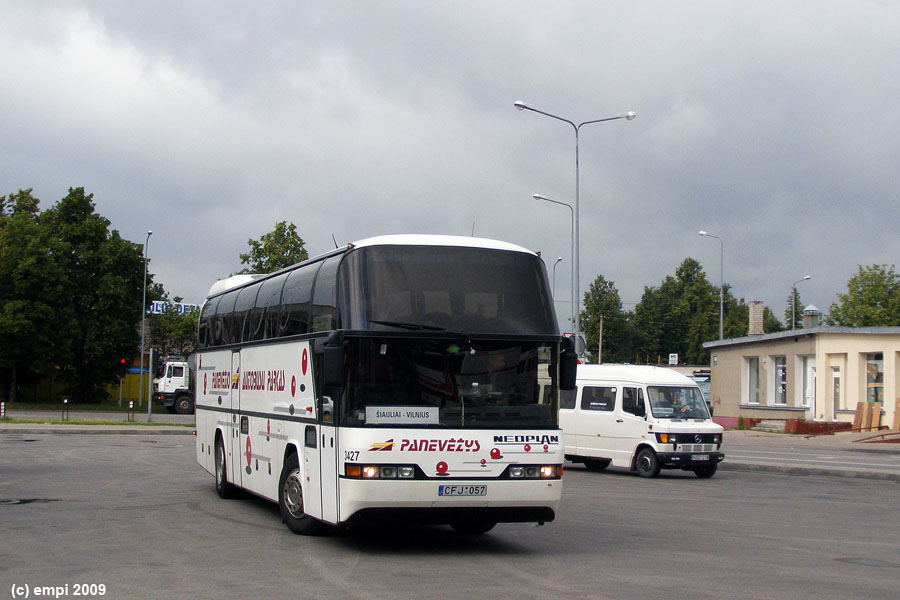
(94, 430)
(785, 470)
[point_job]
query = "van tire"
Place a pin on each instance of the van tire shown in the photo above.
(290, 500)
(596, 464)
(646, 463)
(705, 472)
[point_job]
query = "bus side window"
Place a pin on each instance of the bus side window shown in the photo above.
(264, 317)
(246, 300)
(295, 300)
(324, 309)
(225, 318)
(207, 328)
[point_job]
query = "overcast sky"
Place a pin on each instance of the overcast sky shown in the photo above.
(775, 125)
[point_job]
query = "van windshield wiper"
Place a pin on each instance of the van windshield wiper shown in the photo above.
(410, 326)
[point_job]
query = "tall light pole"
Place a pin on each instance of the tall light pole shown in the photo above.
(793, 301)
(143, 318)
(572, 237)
(558, 260)
(721, 282)
(576, 301)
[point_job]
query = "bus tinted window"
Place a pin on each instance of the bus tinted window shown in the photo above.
(476, 290)
(246, 300)
(264, 317)
(225, 319)
(325, 313)
(207, 329)
(295, 300)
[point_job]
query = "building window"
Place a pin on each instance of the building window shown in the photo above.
(780, 363)
(751, 371)
(875, 377)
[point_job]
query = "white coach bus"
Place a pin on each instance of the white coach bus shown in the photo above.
(409, 378)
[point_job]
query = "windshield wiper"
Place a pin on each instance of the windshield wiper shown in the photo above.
(410, 326)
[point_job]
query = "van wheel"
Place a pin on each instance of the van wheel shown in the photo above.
(223, 488)
(705, 472)
(290, 500)
(646, 463)
(472, 527)
(596, 464)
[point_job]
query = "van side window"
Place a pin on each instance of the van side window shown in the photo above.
(598, 398)
(567, 398)
(632, 398)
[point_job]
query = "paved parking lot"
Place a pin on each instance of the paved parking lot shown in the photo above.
(136, 514)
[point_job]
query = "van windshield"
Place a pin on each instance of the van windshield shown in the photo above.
(673, 402)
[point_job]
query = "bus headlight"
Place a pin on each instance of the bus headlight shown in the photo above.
(535, 471)
(354, 471)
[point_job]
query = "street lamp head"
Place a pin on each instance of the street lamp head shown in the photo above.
(538, 197)
(630, 115)
(703, 233)
(806, 278)
(558, 260)
(149, 233)
(520, 105)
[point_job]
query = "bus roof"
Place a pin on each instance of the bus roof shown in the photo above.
(236, 281)
(647, 374)
(438, 240)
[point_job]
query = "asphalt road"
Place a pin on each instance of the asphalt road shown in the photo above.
(137, 515)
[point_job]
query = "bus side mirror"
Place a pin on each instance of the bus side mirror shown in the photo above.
(568, 364)
(333, 365)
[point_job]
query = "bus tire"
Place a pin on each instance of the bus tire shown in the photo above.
(472, 527)
(705, 472)
(596, 464)
(290, 500)
(223, 488)
(184, 405)
(646, 463)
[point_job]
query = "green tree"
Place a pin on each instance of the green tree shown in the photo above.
(872, 299)
(30, 337)
(280, 248)
(174, 332)
(99, 297)
(678, 316)
(602, 304)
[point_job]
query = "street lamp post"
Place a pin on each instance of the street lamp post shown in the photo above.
(721, 282)
(143, 318)
(576, 301)
(794, 301)
(572, 237)
(558, 260)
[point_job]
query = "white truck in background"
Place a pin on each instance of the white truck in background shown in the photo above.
(173, 386)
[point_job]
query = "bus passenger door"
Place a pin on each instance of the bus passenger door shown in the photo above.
(328, 461)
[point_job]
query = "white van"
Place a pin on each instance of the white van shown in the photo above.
(642, 418)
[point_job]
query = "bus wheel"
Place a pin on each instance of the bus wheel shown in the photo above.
(596, 464)
(472, 527)
(184, 405)
(223, 488)
(290, 500)
(647, 464)
(705, 472)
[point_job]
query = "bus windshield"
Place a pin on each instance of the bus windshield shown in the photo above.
(673, 402)
(447, 288)
(454, 383)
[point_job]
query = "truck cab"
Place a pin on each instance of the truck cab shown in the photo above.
(172, 387)
(642, 418)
